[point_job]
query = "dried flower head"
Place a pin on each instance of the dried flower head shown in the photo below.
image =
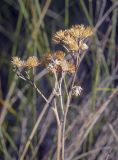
(80, 31)
(70, 38)
(62, 65)
(32, 62)
(71, 43)
(59, 55)
(76, 90)
(17, 62)
(58, 37)
(56, 62)
(67, 66)
(54, 57)
(71, 67)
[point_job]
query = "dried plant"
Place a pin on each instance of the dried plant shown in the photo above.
(62, 65)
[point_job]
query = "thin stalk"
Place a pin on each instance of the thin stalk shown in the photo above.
(40, 92)
(66, 89)
(66, 110)
(60, 92)
(62, 122)
(34, 154)
(58, 131)
(59, 84)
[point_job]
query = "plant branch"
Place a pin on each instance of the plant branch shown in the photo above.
(58, 131)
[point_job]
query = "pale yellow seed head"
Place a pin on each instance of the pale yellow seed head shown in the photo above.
(32, 62)
(16, 61)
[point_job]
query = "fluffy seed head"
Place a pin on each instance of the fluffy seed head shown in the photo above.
(32, 62)
(17, 62)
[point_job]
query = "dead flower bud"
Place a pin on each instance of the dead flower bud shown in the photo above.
(83, 46)
(32, 62)
(17, 62)
(76, 90)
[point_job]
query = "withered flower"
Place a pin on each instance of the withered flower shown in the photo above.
(58, 37)
(76, 90)
(52, 56)
(52, 59)
(70, 43)
(59, 55)
(56, 62)
(73, 38)
(80, 31)
(32, 62)
(67, 66)
(61, 65)
(17, 62)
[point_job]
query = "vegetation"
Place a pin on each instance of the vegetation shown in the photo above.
(65, 106)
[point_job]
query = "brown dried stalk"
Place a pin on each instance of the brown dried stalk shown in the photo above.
(73, 40)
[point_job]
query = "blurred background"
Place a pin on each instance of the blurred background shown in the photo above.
(26, 29)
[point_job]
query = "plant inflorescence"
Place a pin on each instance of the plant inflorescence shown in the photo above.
(61, 64)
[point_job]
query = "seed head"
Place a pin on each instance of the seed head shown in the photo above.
(76, 90)
(17, 62)
(32, 62)
(58, 37)
(70, 38)
(56, 62)
(81, 32)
